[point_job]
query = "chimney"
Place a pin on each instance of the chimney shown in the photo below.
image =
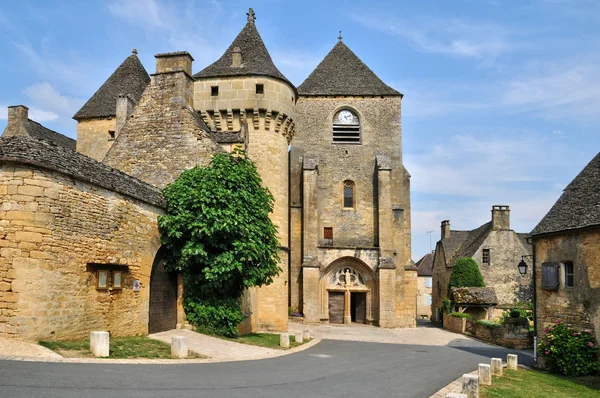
(124, 110)
(172, 62)
(500, 217)
(445, 229)
(236, 57)
(17, 114)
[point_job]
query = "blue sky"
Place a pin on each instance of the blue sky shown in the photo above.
(502, 98)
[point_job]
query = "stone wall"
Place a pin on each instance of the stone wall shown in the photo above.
(578, 306)
(93, 137)
(453, 324)
(56, 231)
(511, 334)
(407, 303)
(423, 309)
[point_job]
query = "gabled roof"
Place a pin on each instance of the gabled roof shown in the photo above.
(342, 73)
(474, 295)
(578, 206)
(36, 130)
(129, 78)
(256, 60)
(425, 265)
(464, 243)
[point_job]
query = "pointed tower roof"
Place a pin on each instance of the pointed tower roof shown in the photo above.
(129, 78)
(255, 59)
(342, 73)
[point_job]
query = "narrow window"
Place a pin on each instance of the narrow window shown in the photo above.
(117, 279)
(428, 282)
(260, 89)
(111, 135)
(214, 91)
(328, 233)
(569, 274)
(428, 299)
(485, 256)
(102, 280)
(346, 128)
(348, 194)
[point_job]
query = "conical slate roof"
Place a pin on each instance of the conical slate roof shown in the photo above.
(342, 73)
(255, 58)
(578, 206)
(129, 78)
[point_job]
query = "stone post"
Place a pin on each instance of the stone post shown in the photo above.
(512, 361)
(470, 386)
(306, 334)
(179, 347)
(496, 366)
(99, 344)
(485, 374)
(298, 337)
(284, 340)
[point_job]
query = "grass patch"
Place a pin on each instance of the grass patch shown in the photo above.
(536, 384)
(268, 340)
(120, 348)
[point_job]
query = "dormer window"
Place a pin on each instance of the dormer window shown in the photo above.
(346, 128)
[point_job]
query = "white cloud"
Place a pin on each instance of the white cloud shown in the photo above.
(47, 97)
(144, 12)
(40, 115)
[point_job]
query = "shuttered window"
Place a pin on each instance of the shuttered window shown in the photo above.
(550, 276)
(328, 233)
(346, 128)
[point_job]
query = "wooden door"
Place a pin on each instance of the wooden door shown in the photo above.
(359, 307)
(163, 299)
(336, 307)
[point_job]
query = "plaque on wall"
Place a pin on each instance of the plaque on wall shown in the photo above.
(136, 285)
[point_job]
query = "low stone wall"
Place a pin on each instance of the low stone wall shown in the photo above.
(456, 325)
(512, 334)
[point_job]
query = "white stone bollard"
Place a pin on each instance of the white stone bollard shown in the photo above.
(298, 337)
(512, 361)
(179, 347)
(284, 340)
(306, 334)
(485, 374)
(455, 395)
(496, 367)
(470, 386)
(100, 344)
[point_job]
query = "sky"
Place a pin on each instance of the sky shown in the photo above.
(502, 98)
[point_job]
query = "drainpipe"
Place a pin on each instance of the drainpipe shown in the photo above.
(535, 328)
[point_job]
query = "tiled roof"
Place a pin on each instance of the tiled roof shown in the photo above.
(129, 78)
(464, 243)
(578, 206)
(425, 265)
(51, 156)
(36, 130)
(474, 295)
(342, 73)
(256, 60)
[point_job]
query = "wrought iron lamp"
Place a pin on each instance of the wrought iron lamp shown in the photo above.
(523, 265)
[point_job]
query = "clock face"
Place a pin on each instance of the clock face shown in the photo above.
(345, 117)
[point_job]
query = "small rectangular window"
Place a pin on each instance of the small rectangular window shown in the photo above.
(111, 135)
(428, 282)
(117, 279)
(328, 233)
(260, 89)
(485, 258)
(102, 280)
(569, 274)
(428, 299)
(214, 91)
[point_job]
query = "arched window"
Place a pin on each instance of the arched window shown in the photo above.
(349, 194)
(346, 127)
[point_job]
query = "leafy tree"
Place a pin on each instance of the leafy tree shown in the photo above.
(465, 273)
(218, 233)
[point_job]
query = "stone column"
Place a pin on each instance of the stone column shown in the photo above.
(384, 207)
(310, 219)
(387, 293)
(347, 313)
(311, 288)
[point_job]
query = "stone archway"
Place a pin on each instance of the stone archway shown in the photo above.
(163, 297)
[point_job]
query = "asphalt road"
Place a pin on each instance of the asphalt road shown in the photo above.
(329, 369)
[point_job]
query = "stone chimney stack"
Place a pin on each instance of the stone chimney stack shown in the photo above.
(17, 114)
(124, 110)
(173, 62)
(445, 229)
(500, 217)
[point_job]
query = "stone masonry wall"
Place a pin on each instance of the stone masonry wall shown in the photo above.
(93, 138)
(52, 230)
(579, 305)
(423, 309)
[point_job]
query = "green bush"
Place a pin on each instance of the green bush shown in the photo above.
(447, 306)
(465, 273)
(568, 351)
(525, 311)
(219, 316)
(460, 315)
(514, 313)
(488, 324)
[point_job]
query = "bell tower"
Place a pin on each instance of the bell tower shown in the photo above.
(244, 89)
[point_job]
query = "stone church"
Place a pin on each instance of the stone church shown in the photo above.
(79, 242)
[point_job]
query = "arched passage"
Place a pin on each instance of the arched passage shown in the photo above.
(163, 297)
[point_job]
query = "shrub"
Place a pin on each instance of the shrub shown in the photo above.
(447, 306)
(460, 315)
(488, 324)
(219, 316)
(569, 352)
(465, 273)
(525, 312)
(514, 313)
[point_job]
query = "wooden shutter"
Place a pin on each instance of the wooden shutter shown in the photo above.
(550, 276)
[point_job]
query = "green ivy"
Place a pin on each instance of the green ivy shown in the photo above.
(219, 236)
(214, 315)
(447, 306)
(488, 324)
(567, 351)
(461, 315)
(465, 273)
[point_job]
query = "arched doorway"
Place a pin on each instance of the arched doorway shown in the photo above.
(163, 297)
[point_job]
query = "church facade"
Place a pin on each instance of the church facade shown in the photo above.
(329, 151)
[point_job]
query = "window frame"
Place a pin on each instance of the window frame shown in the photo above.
(485, 256)
(103, 286)
(214, 91)
(328, 233)
(260, 88)
(349, 184)
(566, 275)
